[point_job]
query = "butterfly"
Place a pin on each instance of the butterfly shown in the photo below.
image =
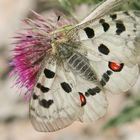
(98, 54)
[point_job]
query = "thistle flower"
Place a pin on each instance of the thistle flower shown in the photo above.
(31, 46)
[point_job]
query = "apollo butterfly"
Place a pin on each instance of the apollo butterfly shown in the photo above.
(83, 61)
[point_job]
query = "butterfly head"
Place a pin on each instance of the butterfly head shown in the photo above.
(60, 42)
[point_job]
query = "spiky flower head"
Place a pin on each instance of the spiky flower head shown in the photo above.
(31, 47)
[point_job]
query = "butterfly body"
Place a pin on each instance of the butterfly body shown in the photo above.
(77, 62)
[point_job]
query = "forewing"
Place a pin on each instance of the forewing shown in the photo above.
(55, 103)
(114, 37)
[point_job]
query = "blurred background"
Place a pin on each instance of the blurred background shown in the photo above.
(122, 121)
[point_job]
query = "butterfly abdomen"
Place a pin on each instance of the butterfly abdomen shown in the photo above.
(80, 65)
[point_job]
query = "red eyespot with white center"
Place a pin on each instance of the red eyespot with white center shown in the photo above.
(82, 99)
(115, 66)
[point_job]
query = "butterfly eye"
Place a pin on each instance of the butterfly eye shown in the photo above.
(116, 66)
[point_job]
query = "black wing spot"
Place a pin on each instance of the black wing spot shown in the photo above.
(103, 49)
(48, 73)
(113, 16)
(104, 24)
(34, 96)
(102, 82)
(66, 87)
(108, 72)
(87, 94)
(97, 89)
(42, 88)
(92, 91)
(105, 77)
(89, 32)
(45, 103)
(120, 27)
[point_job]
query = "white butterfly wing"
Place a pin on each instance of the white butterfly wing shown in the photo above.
(60, 97)
(114, 37)
(54, 104)
(116, 78)
(95, 103)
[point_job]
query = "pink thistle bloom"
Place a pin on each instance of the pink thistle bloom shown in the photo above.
(32, 45)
